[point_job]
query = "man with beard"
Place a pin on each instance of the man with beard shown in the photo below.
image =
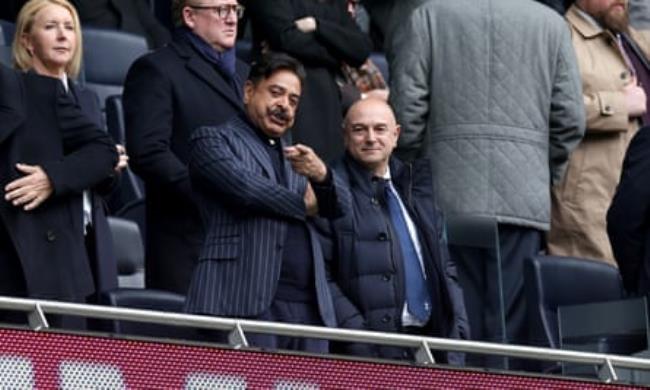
(613, 60)
(260, 258)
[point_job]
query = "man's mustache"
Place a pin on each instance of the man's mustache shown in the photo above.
(280, 113)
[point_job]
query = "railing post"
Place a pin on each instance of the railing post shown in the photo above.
(37, 319)
(607, 372)
(237, 338)
(423, 355)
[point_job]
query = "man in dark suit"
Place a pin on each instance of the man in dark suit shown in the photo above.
(628, 218)
(389, 253)
(260, 258)
(194, 81)
(50, 153)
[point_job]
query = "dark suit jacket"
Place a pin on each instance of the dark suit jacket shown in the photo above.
(168, 94)
(246, 212)
(368, 266)
(50, 130)
(134, 16)
(102, 256)
(336, 40)
(628, 218)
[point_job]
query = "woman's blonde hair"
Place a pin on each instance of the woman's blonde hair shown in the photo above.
(22, 59)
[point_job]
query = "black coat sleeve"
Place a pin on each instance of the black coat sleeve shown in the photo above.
(629, 213)
(11, 100)
(333, 41)
(148, 111)
(89, 153)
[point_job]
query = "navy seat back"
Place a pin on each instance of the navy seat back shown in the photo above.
(108, 55)
(553, 281)
(148, 300)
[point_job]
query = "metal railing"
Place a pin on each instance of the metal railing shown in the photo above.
(237, 329)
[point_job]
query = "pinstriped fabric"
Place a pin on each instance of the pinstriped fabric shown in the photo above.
(245, 210)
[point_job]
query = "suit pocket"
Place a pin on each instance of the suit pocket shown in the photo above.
(221, 248)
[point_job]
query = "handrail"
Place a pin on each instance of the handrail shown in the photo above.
(239, 327)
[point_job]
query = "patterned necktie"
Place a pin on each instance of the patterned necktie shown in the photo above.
(417, 294)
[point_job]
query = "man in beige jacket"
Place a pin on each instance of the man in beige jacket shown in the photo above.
(613, 61)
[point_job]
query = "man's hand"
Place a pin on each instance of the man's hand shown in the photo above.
(30, 190)
(306, 24)
(305, 162)
(311, 203)
(123, 160)
(635, 99)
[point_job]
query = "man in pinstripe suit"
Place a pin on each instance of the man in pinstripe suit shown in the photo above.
(261, 258)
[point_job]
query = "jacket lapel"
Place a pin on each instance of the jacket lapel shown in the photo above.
(633, 39)
(253, 143)
(202, 69)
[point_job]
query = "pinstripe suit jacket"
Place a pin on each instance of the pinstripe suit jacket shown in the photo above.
(245, 211)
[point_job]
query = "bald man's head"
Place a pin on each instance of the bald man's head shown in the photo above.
(370, 133)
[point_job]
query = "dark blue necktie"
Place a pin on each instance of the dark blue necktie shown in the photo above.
(417, 295)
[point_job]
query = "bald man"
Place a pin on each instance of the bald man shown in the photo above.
(388, 253)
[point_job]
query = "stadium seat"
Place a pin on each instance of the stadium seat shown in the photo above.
(148, 300)
(129, 250)
(5, 55)
(8, 30)
(108, 54)
(554, 281)
(479, 234)
(131, 187)
(579, 304)
(135, 211)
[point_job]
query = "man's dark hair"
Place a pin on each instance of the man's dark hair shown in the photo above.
(272, 62)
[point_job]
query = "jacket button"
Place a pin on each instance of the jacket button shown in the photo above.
(385, 319)
(382, 236)
(608, 109)
(50, 235)
(624, 75)
(385, 277)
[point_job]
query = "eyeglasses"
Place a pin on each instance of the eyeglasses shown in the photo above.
(222, 11)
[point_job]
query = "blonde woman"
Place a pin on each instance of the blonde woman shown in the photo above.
(48, 42)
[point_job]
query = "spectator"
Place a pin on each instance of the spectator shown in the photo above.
(612, 64)
(194, 81)
(390, 257)
(628, 217)
(498, 116)
(261, 259)
(132, 16)
(322, 35)
(48, 42)
(50, 153)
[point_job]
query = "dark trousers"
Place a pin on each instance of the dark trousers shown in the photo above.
(477, 273)
(12, 283)
(12, 280)
(305, 313)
